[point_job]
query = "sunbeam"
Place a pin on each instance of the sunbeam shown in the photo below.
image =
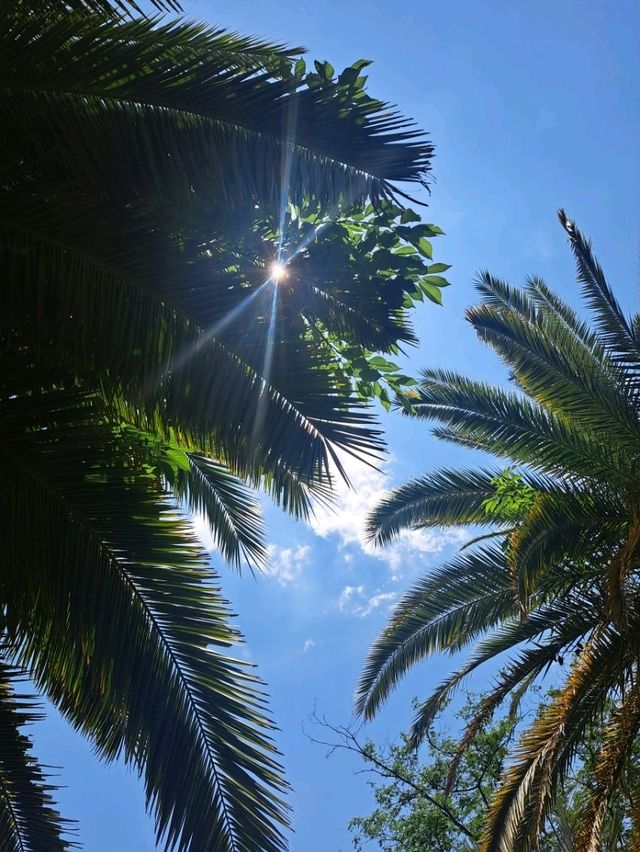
(181, 358)
(277, 271)
(265, 374)
(285, 178)
(306, 241)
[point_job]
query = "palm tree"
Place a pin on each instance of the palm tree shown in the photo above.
(149, 364)
(556, 578)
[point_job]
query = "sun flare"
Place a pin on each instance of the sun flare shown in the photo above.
(278, 271)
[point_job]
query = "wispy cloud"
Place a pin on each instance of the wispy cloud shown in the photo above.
(347, 520)
(286, 564)
(354, 600)
(380, 600)
(347, 595)
(309, 643)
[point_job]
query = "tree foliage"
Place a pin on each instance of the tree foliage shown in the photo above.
(417, 807)
(555, 580)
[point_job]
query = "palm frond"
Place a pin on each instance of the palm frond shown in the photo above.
(138, 105)
(510, 426)
(209, 489)
(551, 306)
(537, 305)
(460, 599)
(29, 819)
(516, 677)
(518, 810)
(113, 610)
(232, 512)
(154, 337)
(574, 625)
(614, 329)
(564, 378)
(572, 429)
(618, 739)
(567, 525)
(115, 8)
(633, 842)
(440, 498)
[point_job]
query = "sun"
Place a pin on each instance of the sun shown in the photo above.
(278, 271)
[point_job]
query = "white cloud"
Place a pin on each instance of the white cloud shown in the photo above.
(353, 600)
(286, 564)
(347, 595)
(347, 519)
(307, 645)
(377, 601)
(203, 531)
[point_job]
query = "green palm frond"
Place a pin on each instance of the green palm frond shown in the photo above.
(460, 599)
(614, 328)
(565, 377)
(551, 318)
(552, 306)
(510, 426)
(569, 557)
(94, 7)
(506, 637)
(29, 820)
(208, 488)
(112, 609)
(148, 333)
(537, 305)
(564, 527)
(513, 679)
(230, 508)
(166, 103)
(442, 498)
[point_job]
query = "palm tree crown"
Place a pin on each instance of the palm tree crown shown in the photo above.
(150, 172)
(556, 578)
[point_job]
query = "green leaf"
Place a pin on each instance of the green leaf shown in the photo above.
(368, 374)
(409, 215)
(401, 379)
(425, 248)
(348, 77)
(432, 292)
(324, 69)
(438, 267)
(436, 280)
(178, 459)
(382, 364)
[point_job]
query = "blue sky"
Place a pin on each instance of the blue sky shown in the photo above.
(532, 106)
